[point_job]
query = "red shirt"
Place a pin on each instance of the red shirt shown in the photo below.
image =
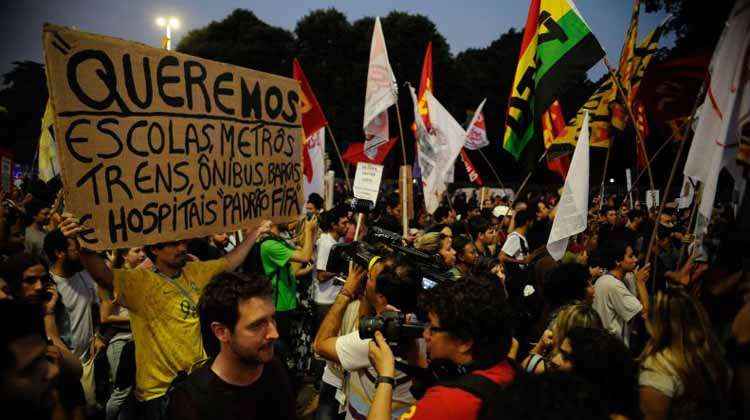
(440, 402)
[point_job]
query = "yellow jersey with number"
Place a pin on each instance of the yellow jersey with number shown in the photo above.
(164, 320)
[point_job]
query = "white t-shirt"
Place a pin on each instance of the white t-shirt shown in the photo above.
(78, 293)
(360, 384)
(616, 306)
(324, 293)
(656, 372)
(512, 246)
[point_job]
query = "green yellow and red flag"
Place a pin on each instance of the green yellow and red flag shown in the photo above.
(557, 48)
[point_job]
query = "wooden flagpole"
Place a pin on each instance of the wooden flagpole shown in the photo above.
(606, 165)
(639, 139)
(686, 131)
(643, 171)
(344, 166)
(404, 203)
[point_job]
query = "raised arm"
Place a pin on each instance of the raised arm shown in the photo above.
(304, 255)
(237, 256)
(325, 341)
(94, 263)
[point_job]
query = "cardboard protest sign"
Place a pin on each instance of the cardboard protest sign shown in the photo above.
(158, 146)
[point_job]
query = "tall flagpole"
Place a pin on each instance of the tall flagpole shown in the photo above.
(404, 198)
(606, 165)
(344, 166)
(639, 139)
(497, 177)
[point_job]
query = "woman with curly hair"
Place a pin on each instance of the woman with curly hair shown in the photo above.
(573, 315)
(683, 374)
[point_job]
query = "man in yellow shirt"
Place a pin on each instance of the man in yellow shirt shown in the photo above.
(162, 302)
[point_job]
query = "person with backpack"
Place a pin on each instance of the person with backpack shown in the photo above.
(468, 338)
(274, 256)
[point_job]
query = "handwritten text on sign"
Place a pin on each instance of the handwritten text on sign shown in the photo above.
(158, 146)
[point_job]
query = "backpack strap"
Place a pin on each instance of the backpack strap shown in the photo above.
(478, 385)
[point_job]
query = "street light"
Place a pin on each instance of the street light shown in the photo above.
(169, 24)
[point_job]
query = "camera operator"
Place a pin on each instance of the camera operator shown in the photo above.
(387, 289)
(468, 336)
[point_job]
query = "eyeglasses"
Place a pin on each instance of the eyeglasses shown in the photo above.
(434, 330)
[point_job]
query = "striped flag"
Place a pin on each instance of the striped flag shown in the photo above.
(557, 48)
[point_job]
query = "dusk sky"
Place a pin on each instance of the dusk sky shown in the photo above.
(465, 24)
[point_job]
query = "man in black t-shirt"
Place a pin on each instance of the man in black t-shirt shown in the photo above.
(244, 381)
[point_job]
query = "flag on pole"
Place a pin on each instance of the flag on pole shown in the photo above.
(572, 212)
(48, 165)
(355, 152)
(315, 153)
(476, 134)
(438, 148)
(313, 126)
(724, 116)
(558, 47)
(381, 93)
(425, 85)
(553, 125)
(470, 169)
(628, 62)
(313, 118)
(606, 108)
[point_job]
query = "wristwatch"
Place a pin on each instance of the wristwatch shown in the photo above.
(386, 380)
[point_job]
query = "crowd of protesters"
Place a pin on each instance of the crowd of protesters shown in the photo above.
(258, 324)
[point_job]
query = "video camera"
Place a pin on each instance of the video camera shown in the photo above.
(392, 324)
(427, 267)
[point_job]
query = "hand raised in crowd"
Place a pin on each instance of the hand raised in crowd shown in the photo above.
(643, 273)
(263, 228)
(381, 356)
(353, 280)
(49, 305)
(544, 343)
(70, 226)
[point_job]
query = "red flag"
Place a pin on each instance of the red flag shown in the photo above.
(559, 165)
(473, 174)
(641, 124)
(313, 118)
(356, 152)
(553, 125)
(425, 85)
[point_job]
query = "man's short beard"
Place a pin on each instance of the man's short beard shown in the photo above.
(72, 266)
(248, 361)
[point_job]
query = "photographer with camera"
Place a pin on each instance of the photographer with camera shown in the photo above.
(341, 340)
(468, 337)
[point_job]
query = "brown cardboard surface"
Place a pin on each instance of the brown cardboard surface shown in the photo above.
(157, 146)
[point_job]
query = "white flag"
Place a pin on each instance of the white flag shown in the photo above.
(381, 93)
(476, 134)
(438, 148)
(725, 112)
(573, 209)
(316, 149)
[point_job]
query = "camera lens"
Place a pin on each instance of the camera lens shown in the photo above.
(368, 325)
